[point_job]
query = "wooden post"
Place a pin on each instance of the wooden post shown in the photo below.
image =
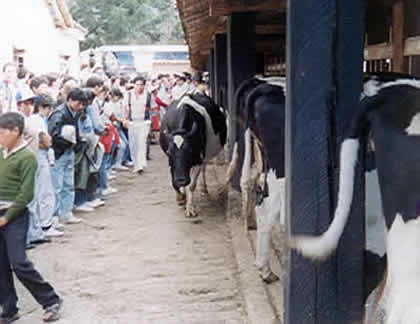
(260, 64)
(241, 44)
(241, 65)
(323, 80)
(348, 80)
(220, 62)
(398, 36)
(212, 73)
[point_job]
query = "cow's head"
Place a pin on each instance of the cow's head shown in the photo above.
(185, 150)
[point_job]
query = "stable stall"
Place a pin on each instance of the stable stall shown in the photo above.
(329, 45)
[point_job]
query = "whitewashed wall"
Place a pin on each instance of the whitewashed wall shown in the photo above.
(28, 25)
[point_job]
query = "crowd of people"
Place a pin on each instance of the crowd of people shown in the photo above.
(62, 143)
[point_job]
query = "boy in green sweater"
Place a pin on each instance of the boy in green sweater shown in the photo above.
(17, 170)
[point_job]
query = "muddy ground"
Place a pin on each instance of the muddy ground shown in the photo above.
(139, 260)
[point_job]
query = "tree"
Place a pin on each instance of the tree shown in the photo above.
(128, 21)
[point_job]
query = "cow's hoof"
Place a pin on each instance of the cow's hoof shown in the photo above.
(190, 213)
(272, 277)
(181, 199)
(196, 220)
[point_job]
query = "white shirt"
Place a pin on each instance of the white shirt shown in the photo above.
(138, 106)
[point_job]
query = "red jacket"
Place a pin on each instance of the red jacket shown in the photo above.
(111, 137)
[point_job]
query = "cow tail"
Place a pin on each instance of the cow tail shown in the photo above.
(320, 247)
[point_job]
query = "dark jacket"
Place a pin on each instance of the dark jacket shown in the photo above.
(61, 116)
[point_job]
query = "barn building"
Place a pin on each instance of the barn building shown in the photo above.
(323, 47)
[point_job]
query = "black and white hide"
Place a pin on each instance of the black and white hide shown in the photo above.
(193, 131)
(261, 109)
(390, 110)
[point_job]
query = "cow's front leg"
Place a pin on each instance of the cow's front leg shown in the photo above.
(180, 197)
(204, 188)
(245, 182)
(403, 277)
(230, 172)
(190, 209)
(268, 213)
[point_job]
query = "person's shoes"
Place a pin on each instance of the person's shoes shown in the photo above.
(108, 191)
(41, 241)
(7, 319)
(52, 232)
(52, 312)
(138, 170)
(120, 167)
(112, 172)
(129, 164)
(73, 220)
(56, 224)
(29, 246)
(95, 203)
(112, 177)
(85, 208)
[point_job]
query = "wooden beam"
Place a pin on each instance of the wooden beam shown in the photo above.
(378, 52)
(384, 50)
(271, 30)
(398, 36)
(193, 8)
(412, 46)
(224, 8)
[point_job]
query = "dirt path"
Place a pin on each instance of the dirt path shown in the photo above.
(138, 260)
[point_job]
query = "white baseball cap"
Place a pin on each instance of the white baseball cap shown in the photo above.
(68, 132)
(25, 94)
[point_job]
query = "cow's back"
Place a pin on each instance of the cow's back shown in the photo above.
(396, 131)
(266, 105)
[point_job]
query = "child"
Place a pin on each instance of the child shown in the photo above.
(115, 109)
(110, 141)
(17, 170)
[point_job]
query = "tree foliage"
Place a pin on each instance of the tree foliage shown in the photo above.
(128, 21)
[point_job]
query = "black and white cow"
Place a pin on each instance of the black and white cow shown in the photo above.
(261, 109)
(390, 109)
(192, 132)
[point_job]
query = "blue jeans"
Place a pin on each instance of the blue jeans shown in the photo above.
(62, 175)
(103, 171)
(123, 153)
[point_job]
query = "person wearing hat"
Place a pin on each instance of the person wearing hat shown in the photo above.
(62, 127)
(17, 171)
(36, 134)
(197, 82)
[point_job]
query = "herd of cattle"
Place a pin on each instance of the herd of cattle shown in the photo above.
(194, 131)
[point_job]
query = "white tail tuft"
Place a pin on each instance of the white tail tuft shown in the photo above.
(320, 247)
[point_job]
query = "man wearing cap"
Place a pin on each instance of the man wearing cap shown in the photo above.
(62, 127)
(197, 82)
(36, 135)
